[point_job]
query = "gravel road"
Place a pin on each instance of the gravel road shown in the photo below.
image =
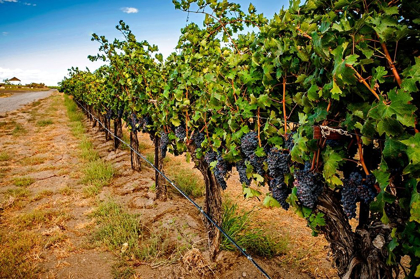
(19, 99)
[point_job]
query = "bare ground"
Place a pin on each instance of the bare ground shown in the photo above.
(46, 223)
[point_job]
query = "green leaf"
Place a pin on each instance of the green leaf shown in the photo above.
(313, 93)
(389, 126)
(269, 201)
(413, 148)
(336, 89)
(176, 122)
(417, 274)
(249, 192)
(332, 161)
(352, 59)
(258, 177)
(382, 176)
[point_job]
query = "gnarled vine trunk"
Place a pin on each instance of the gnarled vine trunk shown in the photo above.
(213, 204)
(360, 254)
(135, 159)
(161, 190)
(107, 128)
(118, 132)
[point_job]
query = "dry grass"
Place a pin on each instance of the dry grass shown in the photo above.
(46, 217)
(33, 160)
(19, 249)
(43, 194)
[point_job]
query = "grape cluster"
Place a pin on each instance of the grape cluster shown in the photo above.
(257, 163)
(220, 171)
(309, 186)
(109, 114)
(280, 191)
(277, 162)
(180, 132)
(367, 191)
(289, 142)
(164, 141)
(210, 157)
(198, 139)
(333, 143)
(241, 168)
(349, 194)
(146, 121)
(120, 112)
(354, 190)
(134, 122)
(249, 142)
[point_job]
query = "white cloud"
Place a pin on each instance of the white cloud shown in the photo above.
(16, 1)
(5, 33)
(129, 10)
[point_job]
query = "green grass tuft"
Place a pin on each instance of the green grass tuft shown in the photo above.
(87, 151)
(98, 173)
(23, 181)
(186, 179)
(4, 156)
(19, 130)
(254, 240)
(18, 193)
(43, 123)
(116, 227)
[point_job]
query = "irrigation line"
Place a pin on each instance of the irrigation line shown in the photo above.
(242, 250)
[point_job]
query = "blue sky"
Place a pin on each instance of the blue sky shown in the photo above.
(40, 39)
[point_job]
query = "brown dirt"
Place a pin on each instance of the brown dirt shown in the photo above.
(50, 156)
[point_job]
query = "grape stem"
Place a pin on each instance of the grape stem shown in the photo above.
(284, 106)
(362, 80)
(259, 127)
(362, 160)
(391, 64)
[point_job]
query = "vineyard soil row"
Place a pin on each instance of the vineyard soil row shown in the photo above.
(48, 212)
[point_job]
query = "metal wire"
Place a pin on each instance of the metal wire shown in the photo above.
(242, 250)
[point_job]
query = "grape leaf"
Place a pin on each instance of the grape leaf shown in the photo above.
(413, 148)
(269, 201)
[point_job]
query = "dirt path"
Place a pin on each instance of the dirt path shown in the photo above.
(58, 220)
(18, 99)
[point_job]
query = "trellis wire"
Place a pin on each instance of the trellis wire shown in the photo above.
(242, 250)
